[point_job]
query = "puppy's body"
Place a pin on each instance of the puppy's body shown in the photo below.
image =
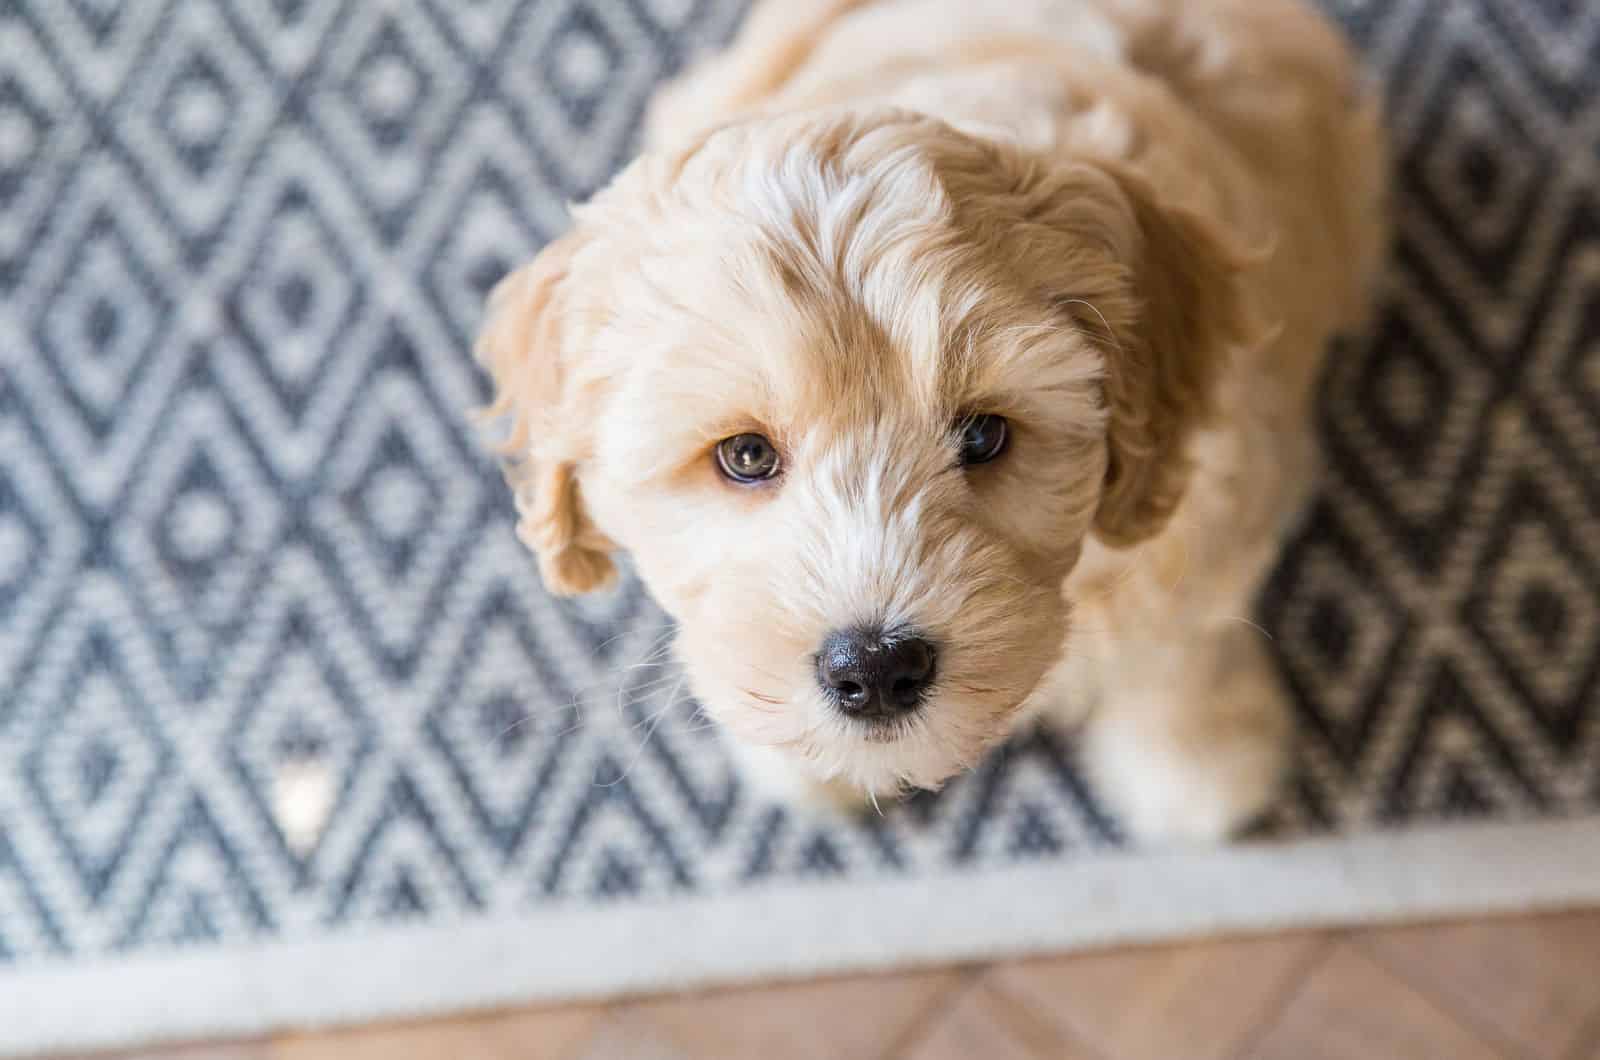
(1132, 228)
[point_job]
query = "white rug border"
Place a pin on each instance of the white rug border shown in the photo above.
(788, 931)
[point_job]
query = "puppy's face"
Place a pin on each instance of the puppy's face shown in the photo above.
(852, 390)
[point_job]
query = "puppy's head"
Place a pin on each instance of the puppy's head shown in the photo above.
(852, 390)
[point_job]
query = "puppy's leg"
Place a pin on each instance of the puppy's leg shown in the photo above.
(1190, 742)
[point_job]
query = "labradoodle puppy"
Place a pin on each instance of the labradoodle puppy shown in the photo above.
(940, 364)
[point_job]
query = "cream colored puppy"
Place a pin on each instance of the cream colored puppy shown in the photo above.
(942, 362)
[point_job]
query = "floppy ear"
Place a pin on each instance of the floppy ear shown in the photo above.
(521, 347)
(1159, 284)
(1189, 315)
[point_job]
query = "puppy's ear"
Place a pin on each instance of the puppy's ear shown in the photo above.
(1160, 285)
(521, 347)
(1189, 315)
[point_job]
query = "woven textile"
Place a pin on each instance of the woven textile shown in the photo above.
(253, 553)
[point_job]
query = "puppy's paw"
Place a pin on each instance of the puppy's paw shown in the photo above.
(1187, 784)
(770, 775)
(835, 797)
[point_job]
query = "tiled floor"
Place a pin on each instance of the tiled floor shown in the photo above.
(1518, 989)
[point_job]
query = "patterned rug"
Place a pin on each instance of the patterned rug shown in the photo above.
(253, 558)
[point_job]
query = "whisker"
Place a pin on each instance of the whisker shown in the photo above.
(533, 716)
(974, 690)
(513, 727)
(654, 720)
(1258, 627)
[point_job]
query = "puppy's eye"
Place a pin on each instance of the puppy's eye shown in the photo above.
(982, 438)
(747, 458)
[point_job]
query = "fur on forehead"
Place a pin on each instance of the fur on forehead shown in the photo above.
(854, 259)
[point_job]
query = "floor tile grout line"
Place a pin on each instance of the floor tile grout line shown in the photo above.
(1021, 1009)
(919, 1026)
(1445, 999)
(1064, 1028)
(1587, 1046)
(1293, 986)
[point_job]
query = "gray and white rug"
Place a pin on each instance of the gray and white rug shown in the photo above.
(252, 554)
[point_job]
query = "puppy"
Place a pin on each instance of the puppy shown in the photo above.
(942, 363)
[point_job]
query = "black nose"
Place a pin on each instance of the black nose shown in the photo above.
(870, 673)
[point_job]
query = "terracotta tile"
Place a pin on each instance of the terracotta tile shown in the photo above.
(1531, 980)
(862, 1016)
(984, 1024)
(1196, 1001)
(527, 1033)
(1350, 1008)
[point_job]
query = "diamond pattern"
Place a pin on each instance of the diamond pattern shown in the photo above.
(611, 843)
(105, 38)
(1033, 786)
(41, 140)
(1537, 611)
(298, 710)
(1340, 638)
(195, 112)
(1409, 428)
(22, 543)
(398, 87)
(402, 494)
(24, 127)
(1475, 173)
(504, 751)
(41, 544)
(276, 669)
(1456, 760)
(406, 868)
(100, 323)
(294, 298)
(199, 894)
(96, 767)
(29, 927)
(578, 47)
(200, 523)
(194, 121)
(484, 238)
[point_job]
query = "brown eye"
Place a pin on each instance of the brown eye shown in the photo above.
(747, 458)
(982, 438)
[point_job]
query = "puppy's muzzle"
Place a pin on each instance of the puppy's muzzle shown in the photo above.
(876, 675)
